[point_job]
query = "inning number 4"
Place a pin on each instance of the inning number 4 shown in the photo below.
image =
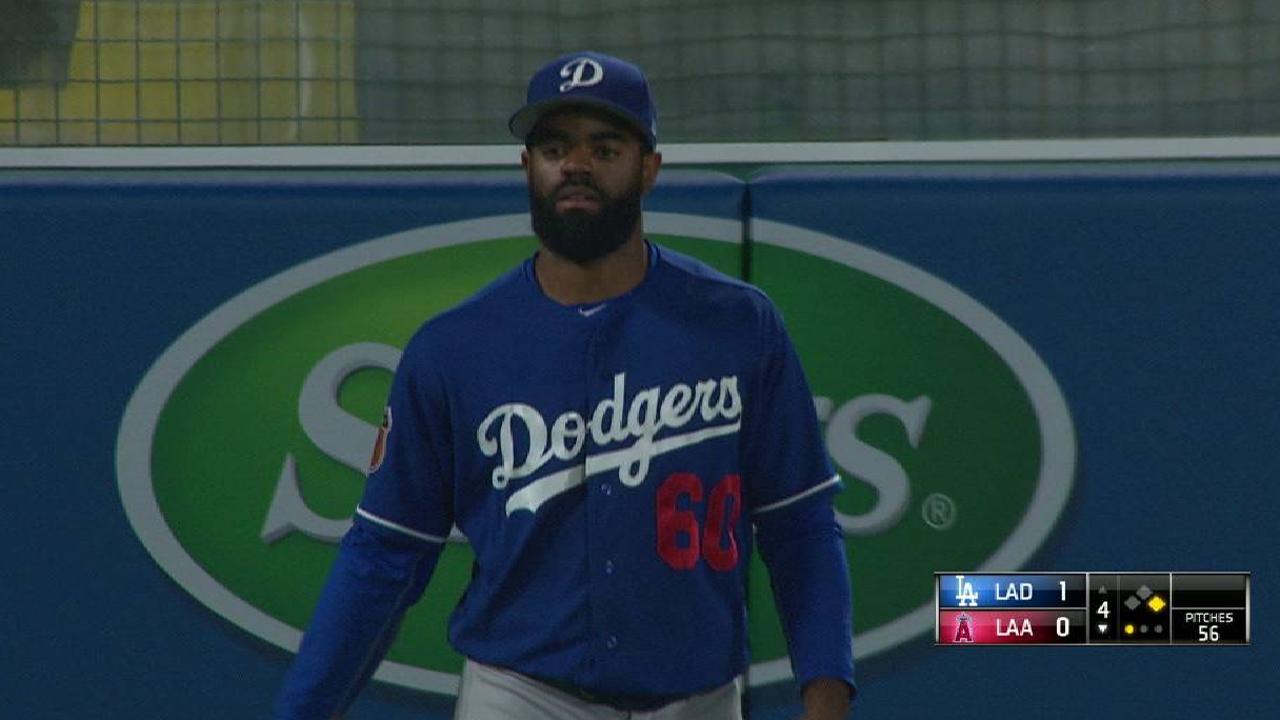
(680, 543)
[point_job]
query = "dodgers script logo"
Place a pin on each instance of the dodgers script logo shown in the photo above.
(612, 421)
(576, 72)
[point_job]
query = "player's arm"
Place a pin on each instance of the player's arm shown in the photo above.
(803, 548)
(791, 485)
(378, 574)
(826, 699)
(387, 557)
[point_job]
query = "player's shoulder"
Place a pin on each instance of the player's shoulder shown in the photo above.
(696, 282)
(482, 310)
(699, 277)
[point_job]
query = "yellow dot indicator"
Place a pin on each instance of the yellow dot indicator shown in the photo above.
(1155, 603)
(1128, 629)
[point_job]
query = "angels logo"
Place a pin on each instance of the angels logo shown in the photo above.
(964, 630)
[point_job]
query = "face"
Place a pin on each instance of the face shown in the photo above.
(587, 175)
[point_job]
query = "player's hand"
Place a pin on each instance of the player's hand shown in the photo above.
(826, 699)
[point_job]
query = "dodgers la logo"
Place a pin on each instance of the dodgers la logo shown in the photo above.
(965, 594)
(577, 73)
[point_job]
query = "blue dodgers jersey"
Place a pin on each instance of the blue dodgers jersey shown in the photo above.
(605, 463)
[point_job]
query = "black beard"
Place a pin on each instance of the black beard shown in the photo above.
(579, 236)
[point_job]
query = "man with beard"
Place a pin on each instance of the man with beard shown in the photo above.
(607, 423)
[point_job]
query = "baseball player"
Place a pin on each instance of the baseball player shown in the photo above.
(606, 423)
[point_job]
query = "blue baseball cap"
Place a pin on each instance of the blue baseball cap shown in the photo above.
(595, 80)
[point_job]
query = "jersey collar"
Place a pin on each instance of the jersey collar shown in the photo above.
(600, 308)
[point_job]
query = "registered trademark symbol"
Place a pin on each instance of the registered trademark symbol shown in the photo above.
(939, 511)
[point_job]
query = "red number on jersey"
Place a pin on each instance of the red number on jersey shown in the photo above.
(728, 494)
(673, 523)
(679, 541)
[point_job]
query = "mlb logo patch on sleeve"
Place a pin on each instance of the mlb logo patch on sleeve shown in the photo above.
(380, 445)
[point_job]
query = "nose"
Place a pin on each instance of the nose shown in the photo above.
(577, 159)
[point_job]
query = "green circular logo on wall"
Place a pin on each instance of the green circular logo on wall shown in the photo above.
(242, 452)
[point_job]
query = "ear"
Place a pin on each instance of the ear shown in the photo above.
(524, 160)
(650, 164)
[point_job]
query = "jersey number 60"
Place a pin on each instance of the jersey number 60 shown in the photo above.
(679, 541)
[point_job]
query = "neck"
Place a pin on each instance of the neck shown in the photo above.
(569, 283)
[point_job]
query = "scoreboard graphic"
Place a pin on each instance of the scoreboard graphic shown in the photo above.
(1092, 608)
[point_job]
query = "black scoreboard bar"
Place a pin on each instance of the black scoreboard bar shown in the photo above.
(1092, 608)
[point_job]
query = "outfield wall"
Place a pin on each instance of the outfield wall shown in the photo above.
(1050, 367)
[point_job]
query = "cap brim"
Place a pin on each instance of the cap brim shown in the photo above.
(527, 118)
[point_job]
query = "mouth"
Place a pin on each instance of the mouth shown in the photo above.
(577, 198)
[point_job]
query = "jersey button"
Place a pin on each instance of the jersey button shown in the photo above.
(608, 567)
(612, 642)
(606, 488)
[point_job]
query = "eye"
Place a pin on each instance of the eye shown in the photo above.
(552, 150)
(606, 152)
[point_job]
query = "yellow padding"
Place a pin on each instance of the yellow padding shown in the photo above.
(197, 73)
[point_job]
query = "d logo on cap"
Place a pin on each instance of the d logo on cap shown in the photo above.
(605, 83)
(576, 70)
